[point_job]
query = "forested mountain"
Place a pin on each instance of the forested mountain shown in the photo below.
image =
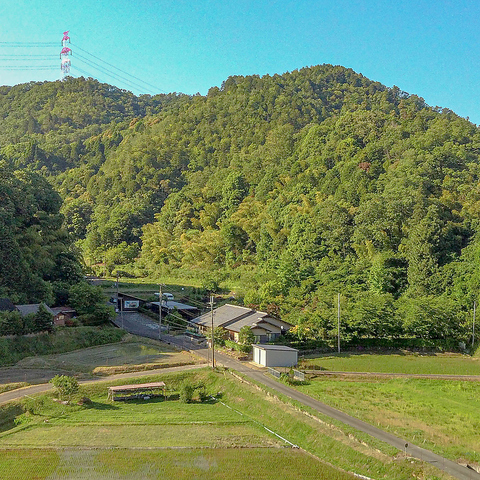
(294, 187)
(36, 259)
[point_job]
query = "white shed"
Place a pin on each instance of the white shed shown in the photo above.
(275, 355)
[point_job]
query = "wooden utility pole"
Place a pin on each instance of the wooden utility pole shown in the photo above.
(473, 328)
(119, 302)
(338, 309)
(160, 310)
(213, 341)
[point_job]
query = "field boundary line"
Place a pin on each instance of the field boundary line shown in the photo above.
(433, 376)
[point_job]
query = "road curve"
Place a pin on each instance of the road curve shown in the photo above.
(448, 466)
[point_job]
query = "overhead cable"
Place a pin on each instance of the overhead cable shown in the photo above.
(108, 72)
(119, 69)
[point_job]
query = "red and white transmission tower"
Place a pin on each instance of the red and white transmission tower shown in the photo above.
(65, 56)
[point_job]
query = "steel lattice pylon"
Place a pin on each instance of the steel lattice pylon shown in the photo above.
(65, 56)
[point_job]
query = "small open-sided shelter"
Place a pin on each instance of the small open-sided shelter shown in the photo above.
(140, 390)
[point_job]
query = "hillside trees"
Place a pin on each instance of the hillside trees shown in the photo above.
(297, 186)
(35, 251)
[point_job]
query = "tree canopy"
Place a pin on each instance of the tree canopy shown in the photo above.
(302, 185)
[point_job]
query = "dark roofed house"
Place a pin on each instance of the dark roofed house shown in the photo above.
(232, 318)
(33, 308)
(6, 305)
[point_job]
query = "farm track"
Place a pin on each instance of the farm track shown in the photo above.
(30, 390)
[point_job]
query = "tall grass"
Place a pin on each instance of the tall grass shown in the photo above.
(13, 349)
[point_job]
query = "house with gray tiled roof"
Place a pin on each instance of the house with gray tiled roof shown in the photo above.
(232, 318)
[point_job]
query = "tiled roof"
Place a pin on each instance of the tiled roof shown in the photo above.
(32, 308)
(223, 315)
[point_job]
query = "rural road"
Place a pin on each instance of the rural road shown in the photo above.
(143, 326)
(448, 466)
(32, 389)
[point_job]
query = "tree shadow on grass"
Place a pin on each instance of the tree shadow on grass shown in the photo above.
(102, 406)
(8, 415)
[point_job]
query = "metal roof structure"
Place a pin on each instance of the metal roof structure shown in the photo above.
(233, 318)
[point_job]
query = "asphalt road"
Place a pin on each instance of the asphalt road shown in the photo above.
(448, 466)
(141, 325)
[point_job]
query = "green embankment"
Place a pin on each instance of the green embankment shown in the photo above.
(236, 433)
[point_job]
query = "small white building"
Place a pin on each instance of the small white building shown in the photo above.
(275, 355)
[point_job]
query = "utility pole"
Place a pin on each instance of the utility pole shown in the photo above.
(473, 329)
(213, 344)
(121, 311)
(160, 310)
(121, 303)
(338, 309)
(117, 293)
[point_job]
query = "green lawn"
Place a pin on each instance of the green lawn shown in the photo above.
(413, 363)
(167, 439)
(441, 415)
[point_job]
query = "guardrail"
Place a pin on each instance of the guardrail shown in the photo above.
(274, 372)
(297, 375)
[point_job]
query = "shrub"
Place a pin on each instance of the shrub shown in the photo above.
(66, 386)
(202, 392)
(186, 392)
(239, 348)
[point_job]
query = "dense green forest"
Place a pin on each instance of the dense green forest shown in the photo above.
(37, 258)
(291, 187)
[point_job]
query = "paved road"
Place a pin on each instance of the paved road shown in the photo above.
(141, 325)
(259, 376)
(448, 466)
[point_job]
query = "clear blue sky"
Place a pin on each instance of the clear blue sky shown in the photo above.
(426, 47)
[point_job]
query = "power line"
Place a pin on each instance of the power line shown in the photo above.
(37, 67)
(108, 72)
(104, 74)
(119, 69)
(27, 45)
(23, 55)
(14, 59)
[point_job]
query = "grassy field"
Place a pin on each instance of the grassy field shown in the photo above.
(399, 362)
(13, 349)
(168, 439)
(440, 415)
(130, 355)
(199, 464)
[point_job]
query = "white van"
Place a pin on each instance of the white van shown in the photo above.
(166, 296)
